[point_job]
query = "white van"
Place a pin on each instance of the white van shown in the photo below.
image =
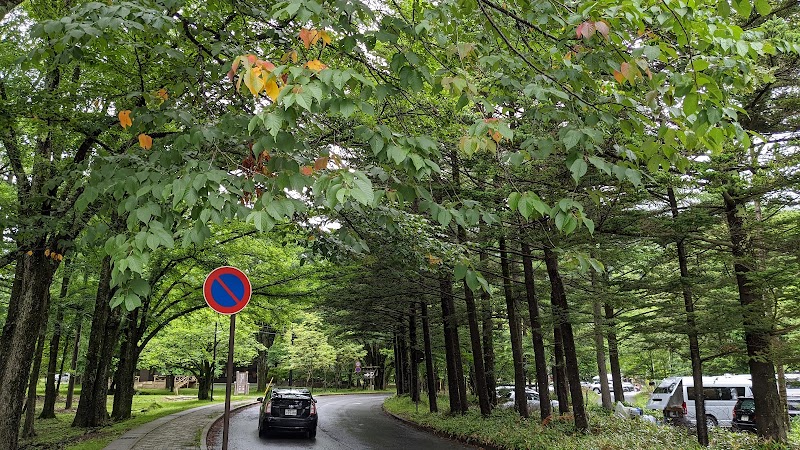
(675, 398)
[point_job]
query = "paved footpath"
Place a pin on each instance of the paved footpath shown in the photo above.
(179, 431)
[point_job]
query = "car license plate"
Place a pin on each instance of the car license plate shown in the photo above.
(745, 418)
(289, 412)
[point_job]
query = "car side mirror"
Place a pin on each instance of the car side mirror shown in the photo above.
(260, 399)
(315, 400)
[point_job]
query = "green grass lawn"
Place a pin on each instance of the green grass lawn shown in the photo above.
(506, 429)
(148, 405)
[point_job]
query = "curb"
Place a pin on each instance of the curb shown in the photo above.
(207, 428)
(131, 437)
(434, 431)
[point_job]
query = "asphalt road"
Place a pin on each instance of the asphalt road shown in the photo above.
(345, 422)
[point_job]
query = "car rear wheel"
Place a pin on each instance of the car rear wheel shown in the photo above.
(262, 431)
(711, 422)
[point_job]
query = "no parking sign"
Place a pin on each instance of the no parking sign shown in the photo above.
(227, 290)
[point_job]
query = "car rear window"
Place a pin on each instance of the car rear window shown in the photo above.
(665, 389)
(747, 404)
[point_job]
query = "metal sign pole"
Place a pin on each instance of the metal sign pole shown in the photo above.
(227, 417)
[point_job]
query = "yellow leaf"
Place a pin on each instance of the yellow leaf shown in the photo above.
(271, 89)
(496, 135)
(316, 65)
(29, 253)
(253, 81)
(326, 38)
(125, 118)
(162, 94)
(433, 260)
(145, 141)
(47, 252)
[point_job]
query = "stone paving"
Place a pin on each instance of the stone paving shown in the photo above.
(179, 431)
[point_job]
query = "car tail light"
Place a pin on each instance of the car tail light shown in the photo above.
(684, 408)
(268, 408)
(313, 409)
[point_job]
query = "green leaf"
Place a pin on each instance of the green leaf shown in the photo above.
(690, 103)
(460, 271)
(472, 280)
(743, 7)
(589, 224)
(363, 189)
(578, 168)
(571, 138)
(513, 200)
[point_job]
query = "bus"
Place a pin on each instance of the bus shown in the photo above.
(675, 398)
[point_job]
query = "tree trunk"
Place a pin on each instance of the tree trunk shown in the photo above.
(691, 326)
(536, 333)
(560, 365)
(26, 312)
(266, 337)
(92, 411)
(204, 382)
(487, 337)
(63, 361)
(404, 365)
(74, 364)
(570, 353)
(477, 353)
(613, 353)
(429, 373)
(757, 330)
(412, 336)
(600, 352)
(33, 380)
(398, 366)
(50, 393)
(520, 398)
(451, 344)
(126, 368)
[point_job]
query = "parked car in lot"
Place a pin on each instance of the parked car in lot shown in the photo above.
(627, 386)
(64, 377)
(506, 399)
(744, 412)
(288, 409)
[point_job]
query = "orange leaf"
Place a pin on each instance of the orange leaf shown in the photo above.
(619, 77)
(316, 65)
(321, 163)
(252, 59)
(162, 94)
(629, 71)
(125, 118)
(268, 66)
(306, 170)
(307, 36)
(234, 66)
(496, 135)
(145, 141)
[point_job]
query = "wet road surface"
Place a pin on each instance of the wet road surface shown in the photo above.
(345, 422)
